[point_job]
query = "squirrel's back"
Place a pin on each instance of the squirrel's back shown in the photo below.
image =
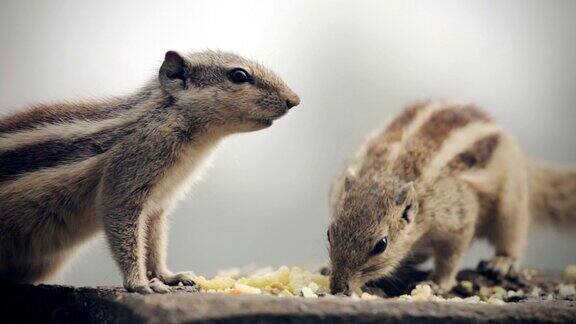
(429, 139)
(47, 136)
(44, 114)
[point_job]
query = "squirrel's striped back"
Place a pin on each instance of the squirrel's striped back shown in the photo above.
(430, 138)
(51, 136)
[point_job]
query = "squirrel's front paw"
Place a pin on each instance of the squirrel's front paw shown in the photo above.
(498, 266)
(143, 289)
(436, 288)
(158, 286)
(173, 279)
(154, 286)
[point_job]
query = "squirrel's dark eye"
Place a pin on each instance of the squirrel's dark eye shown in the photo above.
(239, 75)
(328, 235)
(380, 246)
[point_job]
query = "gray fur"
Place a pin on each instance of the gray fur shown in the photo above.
(124, 168)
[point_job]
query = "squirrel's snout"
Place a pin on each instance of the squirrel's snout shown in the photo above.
(291, 98)
(339, 286)
(291, 103)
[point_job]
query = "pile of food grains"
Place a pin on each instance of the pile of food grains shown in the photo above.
(296, 282)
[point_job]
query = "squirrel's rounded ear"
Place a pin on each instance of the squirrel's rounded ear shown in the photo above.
(173, 70)
(347, 183)
(349, 176)
(410, 212)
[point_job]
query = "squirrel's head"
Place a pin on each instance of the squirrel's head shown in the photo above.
(229, 91)
(370, 232)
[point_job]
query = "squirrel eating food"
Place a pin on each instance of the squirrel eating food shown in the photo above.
(438, 176)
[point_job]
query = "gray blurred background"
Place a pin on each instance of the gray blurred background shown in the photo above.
(354, 64)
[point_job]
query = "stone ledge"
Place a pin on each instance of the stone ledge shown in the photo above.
(60, 304)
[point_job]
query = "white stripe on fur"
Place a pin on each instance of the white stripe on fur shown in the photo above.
(421, 118)
(66, 130)
(458, 141)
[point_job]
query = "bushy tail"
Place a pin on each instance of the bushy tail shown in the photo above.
(553, 195)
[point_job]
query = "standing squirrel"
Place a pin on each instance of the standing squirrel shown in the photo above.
(68, 171)
(437, 177)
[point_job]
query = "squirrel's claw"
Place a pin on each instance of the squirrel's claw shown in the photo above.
(174, 279)
(141, 289)
(158, 286)
(498, 266)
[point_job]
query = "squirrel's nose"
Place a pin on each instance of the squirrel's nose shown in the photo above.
(290, 98)
(337, 287)
(292, 103)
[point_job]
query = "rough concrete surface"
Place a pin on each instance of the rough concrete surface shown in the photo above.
(59, 304)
